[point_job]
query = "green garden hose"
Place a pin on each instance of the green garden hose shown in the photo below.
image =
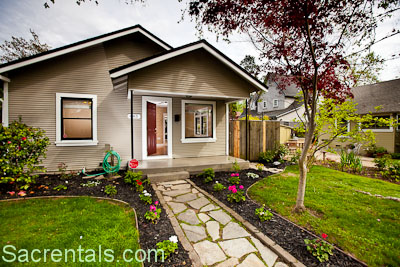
(106, 166)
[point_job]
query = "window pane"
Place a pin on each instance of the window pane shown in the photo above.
(77, 108)
(77, 129)
(377, 125)
(198, 120)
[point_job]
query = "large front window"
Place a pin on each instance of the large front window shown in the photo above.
(198, 121)
(378, 124)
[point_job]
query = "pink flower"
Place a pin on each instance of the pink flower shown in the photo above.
(22, 193)
(378, 220)
(232, 174)
(230, 188)
(155, 213)
(237, 174)
(9, 142)
(324, 235)
(234, 190)
(156, 202)
(152, 207)
(241, 187)
(11, 193)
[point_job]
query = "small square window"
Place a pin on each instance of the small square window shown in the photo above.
(276, 103)
(265, 104)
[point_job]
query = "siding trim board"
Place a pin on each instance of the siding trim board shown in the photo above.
(177, 94)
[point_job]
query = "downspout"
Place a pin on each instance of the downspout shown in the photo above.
(247, 138)
(131, 91)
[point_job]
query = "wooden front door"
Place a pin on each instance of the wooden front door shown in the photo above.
(151, 129)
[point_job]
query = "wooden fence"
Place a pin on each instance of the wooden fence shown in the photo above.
(260, 136)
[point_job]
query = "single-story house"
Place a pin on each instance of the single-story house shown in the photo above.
(128, 90)
(381, 100)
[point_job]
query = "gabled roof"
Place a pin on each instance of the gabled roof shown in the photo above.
(202, 44)
(384, 94)
(81, 45)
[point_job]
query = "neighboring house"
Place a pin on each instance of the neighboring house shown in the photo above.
(82, 96)
(386, 96)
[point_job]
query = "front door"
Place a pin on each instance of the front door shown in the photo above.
(151, 129)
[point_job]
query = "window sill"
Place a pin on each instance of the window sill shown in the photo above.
(77, 143)
(380, 130)
(199, 140)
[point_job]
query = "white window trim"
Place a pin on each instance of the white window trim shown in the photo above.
(348, 128)
(199, 140)
(277, 103)
(379, 130)
(397, 121)
(5, 104)
(60, 142)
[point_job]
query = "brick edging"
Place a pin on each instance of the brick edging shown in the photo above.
(194, 257)
(288, 258)
(102, 198)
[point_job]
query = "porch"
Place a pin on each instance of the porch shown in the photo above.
(190, 165)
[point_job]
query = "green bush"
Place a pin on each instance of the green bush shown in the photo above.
(22, 149)
(350, 161)
(393, 171)
(110, 190)
(395, 155)
(380, 150)
(218, 187)
(208, 175)
(270, 156)
(383, 162)
(131, 177)
(235, 166)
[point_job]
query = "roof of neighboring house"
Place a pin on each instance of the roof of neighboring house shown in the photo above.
(202, 44)
(384, 94)
(291, 108)
(291, 89)
(81, 45)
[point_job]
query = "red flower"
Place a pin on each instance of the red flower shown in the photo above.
(324, 235)
(139, 183)
(9, 142)
(23, 138)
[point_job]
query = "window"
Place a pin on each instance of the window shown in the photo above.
(343, 125)
(76, 119)
(198, 121)
(378, 126)
(276, 103)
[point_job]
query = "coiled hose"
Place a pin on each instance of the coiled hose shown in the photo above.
(106, 166)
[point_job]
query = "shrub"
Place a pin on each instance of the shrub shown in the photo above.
(145, 197)
(62, 168)
(253, 175)
(392, 172)
(131, 177)
(294, 159)
(110, 190)
(218, 187)
(383, 162)
(380, 150)
(235, 166)
(395, 155)
(270, 156)
(267, 156)
(153, 214)
(22, 149)
(319, 248)
(263, 214)
(260, 166)
(234, 179)
(167, 247)
(236, 195)
(350, 161)
(207, 174)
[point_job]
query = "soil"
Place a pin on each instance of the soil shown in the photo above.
(150, 234)
(288, 235)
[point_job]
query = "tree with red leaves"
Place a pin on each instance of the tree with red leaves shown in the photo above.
(305, 42)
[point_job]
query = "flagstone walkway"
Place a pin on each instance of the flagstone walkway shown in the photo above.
(217, 238)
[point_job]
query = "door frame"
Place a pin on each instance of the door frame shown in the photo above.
(146, 99)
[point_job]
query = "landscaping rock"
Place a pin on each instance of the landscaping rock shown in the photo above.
(186, 198)
(209, 252)
(189, 217)
(213, 229)
(195, 191)
(180, 186)
(177, 207)
(220, 216)
(204, 217)
(266, 254)
(251, 261)
(194, 233)
(208, 208)
(198, 203)
(237, 247)
(233, 230)
(229, 263)
(173, 193)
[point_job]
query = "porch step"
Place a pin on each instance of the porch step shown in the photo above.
(168, 176)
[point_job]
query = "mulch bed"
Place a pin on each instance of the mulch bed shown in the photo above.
(150, 234)
(288, 235)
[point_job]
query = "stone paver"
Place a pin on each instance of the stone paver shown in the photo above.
(220, 216)
(251, 261)
(198, 203)
(180, 186)
(195, 191)
(209, 252)
(177, 207)
(213, 229)
(186, 198)
(174, 193)
(189, 217)
(209, 207)
(266, 254)
(194, 233)
(233, 230)
(280, 264)
(204, 217)
(167, 198)
(173, 182)
(237, 247)
(229, 263)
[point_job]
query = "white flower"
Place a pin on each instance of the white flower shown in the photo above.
(147, 194)
(262, 213)
(144, 191)
(80, 237)
(173, 239)
(66, 182)
(216, 182)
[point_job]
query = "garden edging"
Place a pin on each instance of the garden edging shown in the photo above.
(101, 198)
(288, 258)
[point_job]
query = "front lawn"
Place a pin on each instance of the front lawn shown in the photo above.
(67, 223)
(363, 225)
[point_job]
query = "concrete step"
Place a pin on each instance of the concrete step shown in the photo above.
(167, 176)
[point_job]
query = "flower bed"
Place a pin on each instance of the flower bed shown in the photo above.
(150, 234)
(286, 234)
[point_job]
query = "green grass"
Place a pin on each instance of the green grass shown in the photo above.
(335, 208)
(59, 224)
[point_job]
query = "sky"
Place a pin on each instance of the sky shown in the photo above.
(65, 22)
